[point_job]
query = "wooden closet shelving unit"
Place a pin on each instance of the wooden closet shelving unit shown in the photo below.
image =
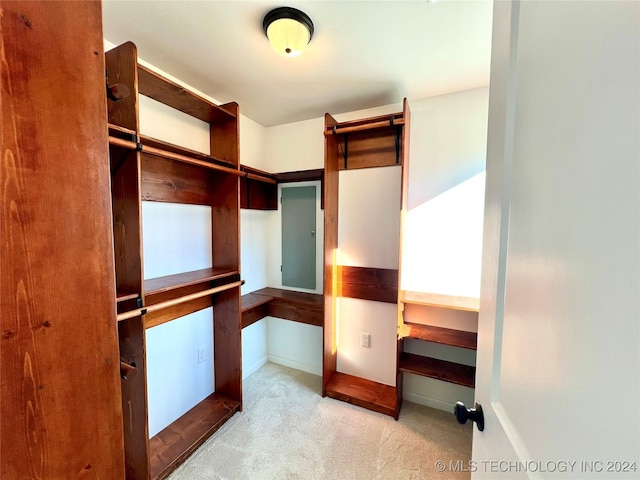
(378, 141)
(433, 367)
(422, 365)
(144, 168)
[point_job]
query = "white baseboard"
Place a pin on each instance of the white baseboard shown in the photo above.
(314, 369)
(247, 372)
(428, 401)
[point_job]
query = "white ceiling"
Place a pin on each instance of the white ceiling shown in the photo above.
(363, 53)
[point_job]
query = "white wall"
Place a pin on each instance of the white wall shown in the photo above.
(177, 238)
(368, 236)
(443, 225)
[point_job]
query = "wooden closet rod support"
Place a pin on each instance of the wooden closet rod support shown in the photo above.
(184, 159)
(127, 371)
(336, 130)
(170, 303)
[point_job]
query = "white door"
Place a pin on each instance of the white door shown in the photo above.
(558, 346)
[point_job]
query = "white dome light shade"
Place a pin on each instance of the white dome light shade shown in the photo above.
(289, 30)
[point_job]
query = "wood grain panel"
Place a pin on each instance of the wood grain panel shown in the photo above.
(224, 136)
(171, 447)
(439, 369)
(121, 64)
(225, 219)
(175, 286)
(376, 284)
(368, 149)
(125, 191)
(257, 195)
(331, 172)
(254, 308)
(169, 147)
(253, 315)
(134, 399)
(164, 180)
(445, 336)
(362, 392)
(300, 176)
(153, 286)
(170, 93)
(227, 344)
(60, 412)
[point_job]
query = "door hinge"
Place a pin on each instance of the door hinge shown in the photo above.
(280, 267)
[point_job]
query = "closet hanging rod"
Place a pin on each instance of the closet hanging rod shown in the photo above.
(183, 158)
(170, 303)
(337, 130)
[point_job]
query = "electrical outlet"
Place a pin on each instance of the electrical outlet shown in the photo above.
(201, 355)
(365, 340)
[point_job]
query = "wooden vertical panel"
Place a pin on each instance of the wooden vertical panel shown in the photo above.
(121, 64)
(227, 330)
(225, 140)
(125, 190)
(331, 172)
(225, 216)
(60, 413)
(134, 399)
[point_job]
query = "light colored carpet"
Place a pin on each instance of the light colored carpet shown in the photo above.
(288, 431)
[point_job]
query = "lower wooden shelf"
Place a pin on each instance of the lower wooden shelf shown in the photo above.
(364, 393)
(445, 336)
(170, 447)
(439, 369)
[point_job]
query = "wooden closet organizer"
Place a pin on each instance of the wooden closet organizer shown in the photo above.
(372, 142)
(144, 168)
(378, 142)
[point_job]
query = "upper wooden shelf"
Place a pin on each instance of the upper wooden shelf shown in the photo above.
(471, 304)
(171, 282)
(170, 147)
(165, 91)
(367, 124)
(445, 336)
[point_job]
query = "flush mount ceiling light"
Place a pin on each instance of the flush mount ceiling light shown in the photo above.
(288, 29)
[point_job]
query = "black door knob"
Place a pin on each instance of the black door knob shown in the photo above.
(463, 414)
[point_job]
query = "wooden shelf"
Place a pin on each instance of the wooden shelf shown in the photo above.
(367, 124)
(169, 147)
(171, 282)
(170, 93)
(364, 393)
(254, 308)
(124, 296)
(439, 369)
(445, 336)
(295, 306)
(121, 132)
(170, 447)
(471, 304)
(253, 300)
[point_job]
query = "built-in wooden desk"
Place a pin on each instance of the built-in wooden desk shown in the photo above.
(275, 302)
